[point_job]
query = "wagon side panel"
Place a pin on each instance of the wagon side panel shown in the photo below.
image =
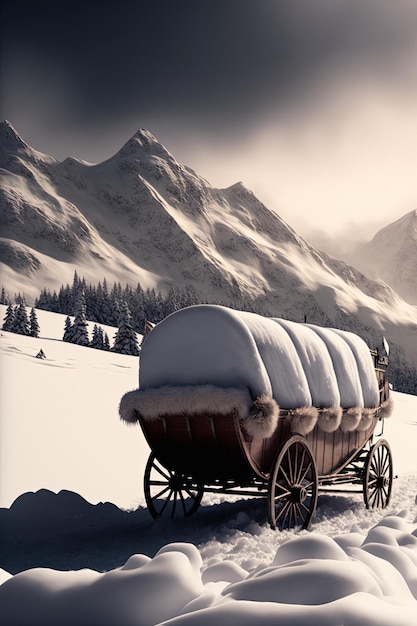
(333, 451)
(210, 448)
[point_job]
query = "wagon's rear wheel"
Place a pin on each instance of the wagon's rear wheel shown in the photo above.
(292, 491)
(170, 493)
(378, 475)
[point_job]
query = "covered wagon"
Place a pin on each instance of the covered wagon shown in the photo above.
(238, 403)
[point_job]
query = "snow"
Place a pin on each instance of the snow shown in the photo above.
(79, 547)
(316, 362)
(201, 345)
(345, 367)
(210, 344)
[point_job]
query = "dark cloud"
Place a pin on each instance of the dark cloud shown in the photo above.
(216, 63)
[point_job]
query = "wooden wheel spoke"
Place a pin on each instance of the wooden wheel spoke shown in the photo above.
(374, 496)
(282, 510)
(298, 478)
(184, 508)
(307, 510)
(281, 496)
(309, 485)
(160, 493)
(282, 487)
(191, 494)
(295, 465)
(289, 482)
(164, 506)
(160, 471)
(174, 504)
(386, 465)
(287, 516)
(305, 473)
(301, 514)
(290, 467)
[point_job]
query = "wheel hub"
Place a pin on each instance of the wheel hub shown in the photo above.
(298, 494)
(381, 482)
(176, 482)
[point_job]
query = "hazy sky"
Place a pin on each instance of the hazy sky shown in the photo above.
(311, 103)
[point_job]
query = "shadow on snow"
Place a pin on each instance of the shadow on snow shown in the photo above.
(65, 532)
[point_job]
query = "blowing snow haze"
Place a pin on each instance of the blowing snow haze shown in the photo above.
(141, 216)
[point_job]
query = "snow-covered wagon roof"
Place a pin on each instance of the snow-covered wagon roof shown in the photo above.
(299, 365)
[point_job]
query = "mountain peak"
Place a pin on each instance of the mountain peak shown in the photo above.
(10, 136)
(143, 144)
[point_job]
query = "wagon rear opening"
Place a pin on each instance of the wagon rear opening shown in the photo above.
(232, 401)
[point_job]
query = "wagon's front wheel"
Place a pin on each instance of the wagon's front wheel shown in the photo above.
(170, 493)
(378, 475)
(292, 491)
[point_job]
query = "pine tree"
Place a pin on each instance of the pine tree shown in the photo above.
(79, 329)
(21, 321)
(67, 330)
(9, 320)
(125, 340)
(106, 342)
(3, 298)
(97, 340)
(34, 327)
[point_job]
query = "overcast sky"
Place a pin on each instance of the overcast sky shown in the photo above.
(311, 103)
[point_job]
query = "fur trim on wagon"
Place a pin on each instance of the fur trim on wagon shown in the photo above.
(190, 400)
(368, 415)
(350, 419)
(303, 419)
(386, 408)
(330, 419)
(263, 417)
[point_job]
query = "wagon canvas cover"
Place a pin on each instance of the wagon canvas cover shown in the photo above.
(210, 358)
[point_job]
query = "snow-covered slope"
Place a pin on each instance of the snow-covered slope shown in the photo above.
(391, 256)
(142, 216)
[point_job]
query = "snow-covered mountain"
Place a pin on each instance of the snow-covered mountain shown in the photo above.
(391, 256)
(143, 217)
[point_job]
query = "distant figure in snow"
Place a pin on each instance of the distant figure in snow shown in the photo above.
(41, 354)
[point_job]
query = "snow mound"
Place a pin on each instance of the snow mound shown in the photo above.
(311, 579)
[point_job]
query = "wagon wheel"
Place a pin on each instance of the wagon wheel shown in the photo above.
(292, 490)
(169, 492)
(378, 475)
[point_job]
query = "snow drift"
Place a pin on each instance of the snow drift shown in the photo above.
(351, 580)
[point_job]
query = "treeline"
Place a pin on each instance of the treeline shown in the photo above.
(17, 320)
(105, 306)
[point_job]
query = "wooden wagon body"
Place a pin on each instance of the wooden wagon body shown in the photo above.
(197, 446)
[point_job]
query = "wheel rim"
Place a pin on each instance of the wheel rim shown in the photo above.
(169, 493)
(378, 476)
(293, 486)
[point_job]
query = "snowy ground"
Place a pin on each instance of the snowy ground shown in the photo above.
(72, 497)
